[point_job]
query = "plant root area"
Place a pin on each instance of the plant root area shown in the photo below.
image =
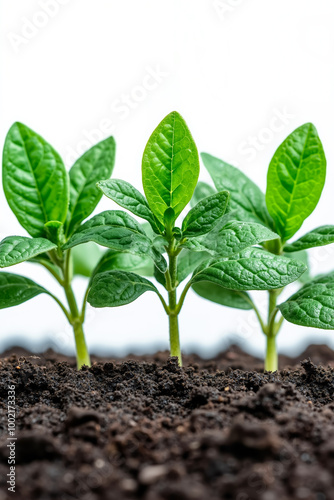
(143, 428)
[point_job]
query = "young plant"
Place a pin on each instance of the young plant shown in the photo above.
(207, 244)
(50, 205)
(295, 180)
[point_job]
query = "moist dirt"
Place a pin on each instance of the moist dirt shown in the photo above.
(143, 428)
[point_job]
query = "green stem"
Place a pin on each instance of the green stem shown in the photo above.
(76, 318)
(163, 302)
(52, 271)
(80, 345)
(258, 315)
(279, 324)
(61, 305)
(174, 336)
(272, 303)
(84, 304)
(271, 363)
(183, 296)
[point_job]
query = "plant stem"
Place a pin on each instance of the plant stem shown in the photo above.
(61, 305)
(76, 318)
(272, 303)
(183, 296)
(270, 330)
(52, 271)
(271, 361)
(80, 345)
(272, 327)
(84, 304)
(174, 337)
(258, 315)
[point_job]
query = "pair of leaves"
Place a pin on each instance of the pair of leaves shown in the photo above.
(295, 180)
(199, 220)
(46, 201)
(253, 269)
(170, 169)
(38, 188)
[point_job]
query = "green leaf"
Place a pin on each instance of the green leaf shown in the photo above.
(312, 305)
(323, 235)
(16, 249)
(204, 216)
(15, 290)
(170, 167)
(119, 231)
(96, 164)
(127, 196)
(117, 288)
(253, 269)
(222, 296)
(85, 258)
(35, 181)
(301, 256)
(125, 262)
(296, 177)
(202, 190)
(230, 239)
(246, 199)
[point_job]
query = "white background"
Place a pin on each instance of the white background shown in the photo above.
(78, 71)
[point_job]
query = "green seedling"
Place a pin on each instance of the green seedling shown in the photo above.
(50, 204)
(295, 180)
(207, 245)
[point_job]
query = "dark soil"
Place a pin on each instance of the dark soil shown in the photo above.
(146, 429)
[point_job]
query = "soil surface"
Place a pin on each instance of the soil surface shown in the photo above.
(146, 429)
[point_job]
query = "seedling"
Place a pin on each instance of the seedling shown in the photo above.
(50, 205)
(295, 180)
(208, 244)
